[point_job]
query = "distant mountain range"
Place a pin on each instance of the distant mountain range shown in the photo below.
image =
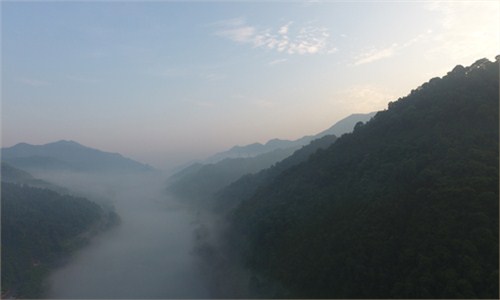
(345, 125)
(14, 175)
(68, 156)
(201, 181)
(405, 207)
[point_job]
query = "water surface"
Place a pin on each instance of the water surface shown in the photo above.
(149, 255)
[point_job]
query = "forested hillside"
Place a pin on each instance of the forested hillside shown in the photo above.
(342, 126)
(232, 195)
(15, 175)
(68, 156)
(404, 207)
(40, 227)
(200, 182)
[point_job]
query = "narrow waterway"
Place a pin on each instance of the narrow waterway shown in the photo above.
(149, 255)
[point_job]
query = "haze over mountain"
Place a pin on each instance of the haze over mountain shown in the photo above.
(233, 194)
(201, 181)
(10, 174)
(166, 89)
(70, 156)
(41, 226)
(287, 206)
(404, 207)
(345, 125)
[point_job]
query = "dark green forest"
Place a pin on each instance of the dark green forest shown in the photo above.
(233, 194)
(198, 183)
(404, 207)
(218, 184)
(41, 227)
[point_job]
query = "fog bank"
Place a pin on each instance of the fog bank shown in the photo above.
(149, 255)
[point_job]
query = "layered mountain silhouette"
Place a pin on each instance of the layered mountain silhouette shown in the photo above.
(70, 156)
(42, 223)
(406, 206)
(201, 181)
(343, 126)
(20, 177)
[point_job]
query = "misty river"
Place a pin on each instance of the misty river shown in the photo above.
(149, 255)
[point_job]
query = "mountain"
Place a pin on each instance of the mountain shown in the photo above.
(243, 188)
(406, 206)
(258, 149)
(68, 155)
(41, 224)
(200, 182)
(14, 175)
(39, 228)
(345, 125)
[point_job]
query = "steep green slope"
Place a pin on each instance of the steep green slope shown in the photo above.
(346, 125)
(199, 183)
(204, 181)
(342, 126)
(69, 156)
(230, 196)
(404, 207)
(39, 227)
(14, 175)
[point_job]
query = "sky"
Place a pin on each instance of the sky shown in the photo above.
(166, 82)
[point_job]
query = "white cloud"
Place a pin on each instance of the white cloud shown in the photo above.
(33, 82)
(265, 104)
(304, 40)
(284, 29)
(84, 80)
(175, 73)
(204, 104)
(214, 76)
(209, 74)
(375, 54)
(229, 22)
(240, 34)
(277, 61)
(308, 3)
(255, 101)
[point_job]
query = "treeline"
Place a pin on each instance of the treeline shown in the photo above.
(404, 207)
(198, 183)
(233, 194)
(208, 183)
(39, 228)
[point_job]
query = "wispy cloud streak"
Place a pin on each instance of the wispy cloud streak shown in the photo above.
(277, 61)
(375, 54)
(467, 30)
(32, 82)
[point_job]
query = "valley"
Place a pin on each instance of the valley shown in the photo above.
(149, 255)
(250, 150)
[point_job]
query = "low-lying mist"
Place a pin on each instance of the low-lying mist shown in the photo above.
(153, 253)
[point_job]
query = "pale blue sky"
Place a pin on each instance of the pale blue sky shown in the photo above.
(166, 82)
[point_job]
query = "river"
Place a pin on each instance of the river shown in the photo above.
(149, 255)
